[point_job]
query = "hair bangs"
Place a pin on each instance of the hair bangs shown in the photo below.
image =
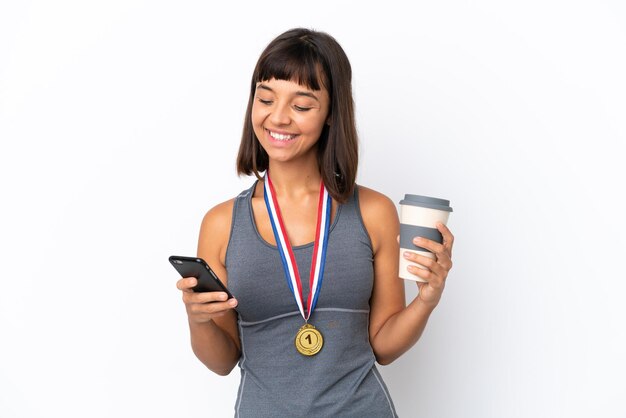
(293, 63)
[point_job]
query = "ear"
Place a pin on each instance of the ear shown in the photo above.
(328, 120)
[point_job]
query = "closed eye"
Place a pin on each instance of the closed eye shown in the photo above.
(265, 102)
(302, 109)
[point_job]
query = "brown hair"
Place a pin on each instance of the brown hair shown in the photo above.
(312, 59)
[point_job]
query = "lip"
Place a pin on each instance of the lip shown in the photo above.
(277, 141)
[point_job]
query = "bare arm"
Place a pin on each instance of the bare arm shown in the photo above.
(212, 320)
(394, 327)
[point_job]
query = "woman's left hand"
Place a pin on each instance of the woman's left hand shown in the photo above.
(436, 270)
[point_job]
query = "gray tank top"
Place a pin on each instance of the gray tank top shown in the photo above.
(276, 380)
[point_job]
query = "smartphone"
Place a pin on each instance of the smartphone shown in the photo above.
(198, 268)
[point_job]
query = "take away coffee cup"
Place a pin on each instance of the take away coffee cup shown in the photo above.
(418, 217)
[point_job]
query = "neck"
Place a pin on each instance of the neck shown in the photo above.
(295, 179)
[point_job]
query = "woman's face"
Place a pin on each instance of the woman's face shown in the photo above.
(288, 118)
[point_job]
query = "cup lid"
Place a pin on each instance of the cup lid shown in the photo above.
(426, 202)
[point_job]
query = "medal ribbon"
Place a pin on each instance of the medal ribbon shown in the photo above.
(286, 252)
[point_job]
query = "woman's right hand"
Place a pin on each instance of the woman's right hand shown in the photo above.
(202, 307)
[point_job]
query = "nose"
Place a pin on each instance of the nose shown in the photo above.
(280, 114)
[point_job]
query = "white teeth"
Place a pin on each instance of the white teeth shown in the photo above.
(281, 137)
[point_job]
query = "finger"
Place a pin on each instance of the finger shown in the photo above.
(432, 246)
(433, 279)
(448, 238)
(419, 272)
(425, 261)
(204, 297)
(429, 269)
(444, 260)
(186, 283)
(212, 308)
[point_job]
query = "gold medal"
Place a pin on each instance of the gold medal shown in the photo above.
(309, 340)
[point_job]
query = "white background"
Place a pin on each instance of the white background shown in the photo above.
(119, 126)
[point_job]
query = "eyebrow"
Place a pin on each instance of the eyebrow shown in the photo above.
(298, 93)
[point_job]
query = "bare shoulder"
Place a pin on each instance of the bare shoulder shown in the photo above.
(374, 201)
(379, 215)
(215, 231)
(219, 216)
(375, 205)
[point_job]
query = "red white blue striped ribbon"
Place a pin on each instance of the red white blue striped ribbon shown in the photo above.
(286, 252)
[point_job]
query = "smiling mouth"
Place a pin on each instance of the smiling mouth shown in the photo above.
(280, 137)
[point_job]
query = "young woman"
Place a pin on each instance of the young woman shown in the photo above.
(311, 258)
